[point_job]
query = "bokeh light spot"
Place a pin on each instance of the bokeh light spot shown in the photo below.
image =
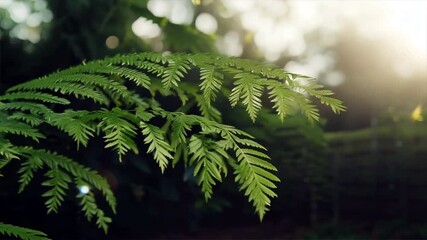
(206, 23)
(84, 189)
(19, 11)
(177, 11)
(145, 28)
(112, 42)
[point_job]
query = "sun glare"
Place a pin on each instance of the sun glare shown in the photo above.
(410, 19)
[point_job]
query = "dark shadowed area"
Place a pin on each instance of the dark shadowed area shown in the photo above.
(361, 174)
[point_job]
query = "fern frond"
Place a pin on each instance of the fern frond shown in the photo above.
(58, 183)
(19, 128)
(54, 160)
(27, 169)
(90, 208)
(162, 149)
(178, 66)
(88, 204)
(97, 67)
(181, 124)
(279, 96)
(44, 97)
(118, 126)
(282, 96)
(71, 123)
(249, 88)
(208, 146)
(206, 110)
(31, 119)
(21, 232)
(34, 108)
(63, 87)
(207, 158)
(211, 83)
(251, 173)
(7, 153)
(102, 221)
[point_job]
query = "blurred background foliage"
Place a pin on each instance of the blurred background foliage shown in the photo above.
(360, 174)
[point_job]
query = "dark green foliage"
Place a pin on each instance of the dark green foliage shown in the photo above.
(22, 233)
(120, 111)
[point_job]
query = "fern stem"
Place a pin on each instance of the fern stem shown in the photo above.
(184, 109)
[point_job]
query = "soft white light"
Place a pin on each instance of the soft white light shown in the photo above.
(206, 23)
(410, 18)
(334, 78)
(145, 28)
(230, 44)
(181, 13)
(177, 11)
(47, 15)
(84, 189)
(19, 11)
(34, 20)
(5, 3)
(160, 8)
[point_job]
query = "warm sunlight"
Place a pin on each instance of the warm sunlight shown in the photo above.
(410, 18)
(281, 28)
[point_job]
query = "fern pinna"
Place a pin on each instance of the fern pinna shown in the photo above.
(125, 90)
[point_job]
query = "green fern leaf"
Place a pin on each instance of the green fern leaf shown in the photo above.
(24, 108)
(249, 88)
(21, 232)
(76, 89)
(102, 221)
(251, 174)
(208, 160)
(34, 108)
(207, 111)
(181, 124)
(119, 131)
(30, 119)
(27, 169)
(71, 123)
(178, 66)
(211, 83)
(141, 79)
(44, 97)
(19, 128)
(155, 137)
(88, 205)
(7, 153)
(335, 104)
(58, 182)
(279, 96)
(53, 161)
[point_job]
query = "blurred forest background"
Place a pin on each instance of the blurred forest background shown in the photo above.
(361, 174)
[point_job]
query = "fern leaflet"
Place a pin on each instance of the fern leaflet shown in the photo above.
(21, 232)
(155, 137)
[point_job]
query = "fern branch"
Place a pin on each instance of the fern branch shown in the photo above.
(19, 128)
(21, 232)
(44, 97)
(58, 183)
(207, 157)
(248, 88)
(71, 122)
(161, 149)
(211, 83)
(27, 169)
